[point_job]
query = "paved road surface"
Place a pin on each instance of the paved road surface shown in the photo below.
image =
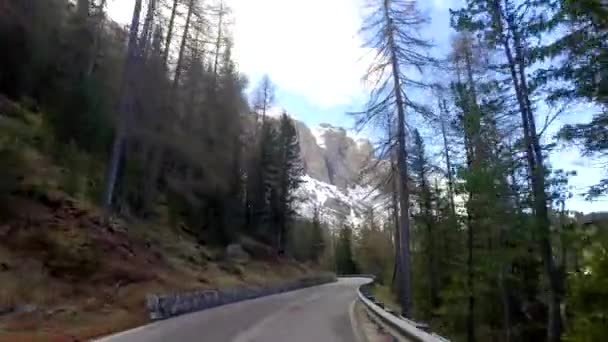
(316, 314)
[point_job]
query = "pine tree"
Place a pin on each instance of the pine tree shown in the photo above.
(290, 171)
(265, 197)
(345, 263)
(506, 26)
(578, 70)
(480, 106)
(393, 30)
(171, 26)
(374, 248)
(317, 240)
(420, 167)
(126, 107)
(260, 159)
(578, 54)
(263, 97)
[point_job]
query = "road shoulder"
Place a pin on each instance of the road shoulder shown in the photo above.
(365, 328)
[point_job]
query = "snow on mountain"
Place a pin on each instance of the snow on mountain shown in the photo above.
(318, 133)
(363, 143)
(322, 131)
(276, 112)
(339, 206)
(333, 159)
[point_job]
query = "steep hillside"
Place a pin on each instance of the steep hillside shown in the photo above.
(67, 273)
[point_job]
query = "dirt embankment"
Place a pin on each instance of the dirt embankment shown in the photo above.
(66, 274)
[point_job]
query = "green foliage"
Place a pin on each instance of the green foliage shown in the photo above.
(81, 173)
(579, 50)
(374, 253)
(345, 262)
(383, 293)
(288, 172)
(317, 239)
(588, 298)
(306, 240)
(184, 126)
(274, 178)
(46, 62)
(74, 258)
(80, 115)
(12, 169)
(13, 139)
(193, 147)
(77, 261)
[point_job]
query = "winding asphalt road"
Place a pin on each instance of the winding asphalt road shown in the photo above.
(315, 314)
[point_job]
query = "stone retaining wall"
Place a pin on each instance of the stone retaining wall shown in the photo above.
(173, 304)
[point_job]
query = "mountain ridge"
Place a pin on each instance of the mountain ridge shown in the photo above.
(333, 161)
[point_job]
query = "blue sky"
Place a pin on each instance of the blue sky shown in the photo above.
(312, 51)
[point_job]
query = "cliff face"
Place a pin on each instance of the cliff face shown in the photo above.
(313, 156)
(331, 156)
(333, 162)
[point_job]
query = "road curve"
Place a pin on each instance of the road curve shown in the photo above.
(319, 314)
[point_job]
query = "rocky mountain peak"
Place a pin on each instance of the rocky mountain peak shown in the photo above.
(333, 161)
(331, 155)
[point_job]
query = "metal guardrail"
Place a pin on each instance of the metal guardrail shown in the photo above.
(163, 306)
(409, 329)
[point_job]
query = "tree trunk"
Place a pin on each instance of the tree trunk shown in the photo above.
(554, 329)
(470, 239)
(472, 118)
(155, 161)
(154, 165)
(427, 207)
(448, 161)
(100, 21)
(147, 29)
(504, 287)
(125, 108)
(169, 38)
(434, 288)
(536, 168)
(182, 48)
(396, 281)
(470, 281)
(218, 41)
(404, 206)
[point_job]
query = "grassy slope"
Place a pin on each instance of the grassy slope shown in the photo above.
(87, 278)
(384, 294)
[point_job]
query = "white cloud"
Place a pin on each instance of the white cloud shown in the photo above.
(310, 48)
(121, 10)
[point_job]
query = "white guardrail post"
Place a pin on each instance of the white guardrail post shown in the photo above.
(409, 329)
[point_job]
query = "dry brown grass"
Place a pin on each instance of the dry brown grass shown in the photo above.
(88, 279)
